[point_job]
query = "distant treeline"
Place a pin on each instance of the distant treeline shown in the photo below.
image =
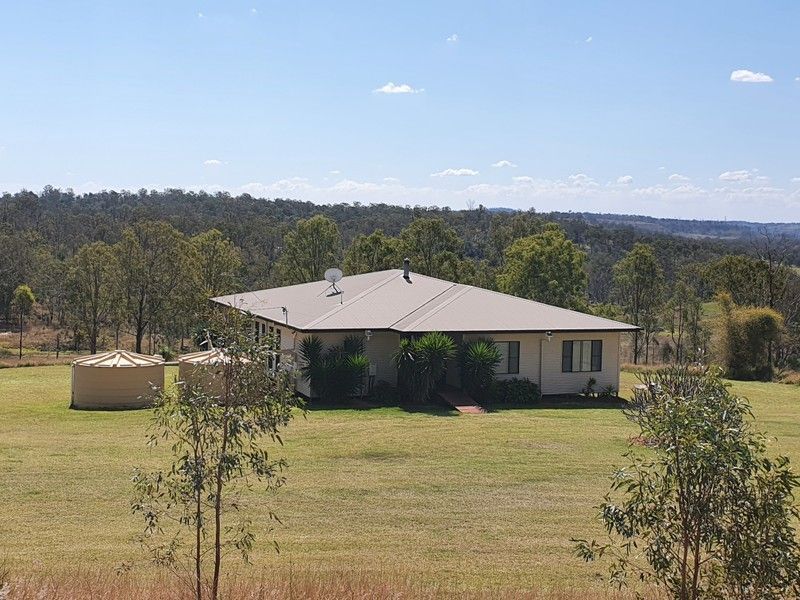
(586, 262)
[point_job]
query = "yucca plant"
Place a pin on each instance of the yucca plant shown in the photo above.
(422, 362)
(337, 373)
(478, 361)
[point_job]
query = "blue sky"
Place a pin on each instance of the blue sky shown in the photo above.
(684, 109)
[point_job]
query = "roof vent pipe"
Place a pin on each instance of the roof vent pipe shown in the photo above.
(406, 269)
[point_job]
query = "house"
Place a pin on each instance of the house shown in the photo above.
(559, 349)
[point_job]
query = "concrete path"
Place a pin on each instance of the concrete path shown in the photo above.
(459, 400)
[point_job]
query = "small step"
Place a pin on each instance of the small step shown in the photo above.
(462, 402)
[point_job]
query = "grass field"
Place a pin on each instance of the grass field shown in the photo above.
(473, 501)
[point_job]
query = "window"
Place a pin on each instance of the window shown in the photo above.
(579, 356)
(509, 358)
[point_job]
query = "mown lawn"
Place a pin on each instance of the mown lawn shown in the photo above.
(471, 500)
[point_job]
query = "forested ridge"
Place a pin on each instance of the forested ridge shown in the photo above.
(167, 251)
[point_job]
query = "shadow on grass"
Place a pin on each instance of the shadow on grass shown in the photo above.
(435, 407)
(570, 402)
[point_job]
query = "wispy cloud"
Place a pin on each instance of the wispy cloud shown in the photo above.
(452, 39)
(742, 175)
(504, 163)
(212, 162)
(455, 173)
(588, 40)
(625, 179)
(254, 11)
(201, 15)
(335, 172)
(678, 177)
(394, 88)
(747, 76)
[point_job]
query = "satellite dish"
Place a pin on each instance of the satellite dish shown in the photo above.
(333, 275)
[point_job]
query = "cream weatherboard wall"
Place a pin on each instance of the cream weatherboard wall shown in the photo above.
(380, 349)
(540, 360)
(555, 382)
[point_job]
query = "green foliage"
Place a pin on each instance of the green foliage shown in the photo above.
(515, 392)
(23, 300)
(546, 267)
(93, 290)
(337, 373)
(478, 360)
(158, 278)
(373, 252)
(746, 335)
(702, 512)
(638, 284)
(421, 363)
(312, 247)
(219, 263)
(217, 452)
(431, 244)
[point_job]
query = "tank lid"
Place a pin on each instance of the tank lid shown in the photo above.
(118, 358)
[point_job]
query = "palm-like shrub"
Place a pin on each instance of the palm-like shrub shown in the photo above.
(337, 373)
(422, 362)
(478, 361)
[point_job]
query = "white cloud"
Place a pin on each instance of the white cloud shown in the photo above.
(212, 162)
(254, 11)
(581, 180)
(201, 15)
(747, 76)
(742, 175)
(392, 88)
(523, 179)
(795, 179)
(678, 177)
(391, 180)
(588, 40)
(453, 38)
(625, 180)
(503, 163)
(334, 172)
(455, 173)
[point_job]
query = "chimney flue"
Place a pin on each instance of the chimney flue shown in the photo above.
(406, 269)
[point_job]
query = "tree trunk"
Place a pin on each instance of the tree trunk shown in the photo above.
(20, 335)
(218, 513)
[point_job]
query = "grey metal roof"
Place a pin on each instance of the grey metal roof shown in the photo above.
(386, 300)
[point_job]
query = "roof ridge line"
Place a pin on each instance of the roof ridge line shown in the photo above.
(405, 316)
(355, 298)
(447, 302)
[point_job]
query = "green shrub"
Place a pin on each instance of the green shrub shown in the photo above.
(385, 393)
(167, 353)
(422, 362)
(337, 373)
(748, 336)
(478, 360)
(516, 392)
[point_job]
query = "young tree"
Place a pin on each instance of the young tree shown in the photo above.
(546, 267)
(701, 511)
(682, 313)
(93, 289)
(638, 281)
(429, 243)
(374, 252)
(219, 263)
(23, 301)
(218, 429)
(312, 247)
(156, 274)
